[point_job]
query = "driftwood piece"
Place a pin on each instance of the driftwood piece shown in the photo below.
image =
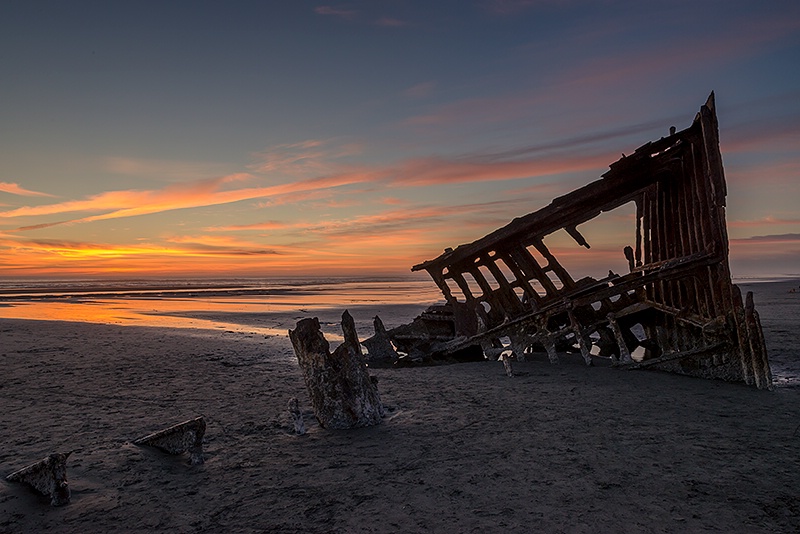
(48, 476)
(380, 351)
(180, 438)
(342, 393)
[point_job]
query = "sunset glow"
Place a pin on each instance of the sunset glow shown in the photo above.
(361, 138)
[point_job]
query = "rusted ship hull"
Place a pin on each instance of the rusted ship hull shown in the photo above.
(675, 309)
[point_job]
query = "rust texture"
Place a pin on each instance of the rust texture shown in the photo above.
(675, 309)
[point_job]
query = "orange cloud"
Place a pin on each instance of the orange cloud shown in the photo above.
(126, 203)
(413, 173)
(15, 189)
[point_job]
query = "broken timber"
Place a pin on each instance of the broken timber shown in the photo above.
(677, 304)
(48, 476)
(180, 438)
(342, 393)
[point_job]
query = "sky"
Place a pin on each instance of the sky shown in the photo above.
(315, 138)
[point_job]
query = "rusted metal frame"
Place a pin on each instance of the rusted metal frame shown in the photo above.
(747, 359)
(678, 355)
(486, 288)
(559, 305)
(528, 263)
(757, 346)
(462, 284)
(553, 264)
(646, 241)
(680, 315)
(521, 280)
(689, 224)
(637, 255)
(660, 248)
(440, 280)
(686, 293)
(506, 292)
(716, 194)
(669, 226)
(702, 214)
(580, 334)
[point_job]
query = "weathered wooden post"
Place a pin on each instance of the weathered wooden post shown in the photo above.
(48, 476)
(342, 393)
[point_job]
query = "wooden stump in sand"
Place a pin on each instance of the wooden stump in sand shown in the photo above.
(342, 393)
(48, 476)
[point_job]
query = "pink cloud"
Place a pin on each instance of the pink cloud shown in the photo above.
(631, 68)
(335, 11)
(266, 225)
(15, 189)
(420, 90)
(766, 221)
(390, 22)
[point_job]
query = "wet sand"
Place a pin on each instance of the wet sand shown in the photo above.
(463, 448)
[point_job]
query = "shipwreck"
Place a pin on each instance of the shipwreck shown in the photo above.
(675, 309)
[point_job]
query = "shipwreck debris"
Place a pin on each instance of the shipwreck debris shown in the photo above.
(342, 393)
(180, 438)
(48, 476)
(296, 416)
(675, 310)
(379, 347)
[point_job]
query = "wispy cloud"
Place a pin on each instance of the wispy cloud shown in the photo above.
(266, 225)
(16, 189)
(767, 239)
(420, 90)
(510, 7)
(420, 172)
(336, 11)
(131, 202)
(635, 67)
(162, 169)
(765, 221)
(390, 22)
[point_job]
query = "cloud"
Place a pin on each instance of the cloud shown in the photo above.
(420, 90)
(767, 239)
(136, 202)
(510, 7)
(331, 173)
(15, 189)
(634, 69)
(302, 159)
(266, 225)
(38, 226)
(765, 221)
(476, 168)
(162, 169)
(390, 22)
(335, 11)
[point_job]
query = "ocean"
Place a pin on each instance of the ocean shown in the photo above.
(253, 305)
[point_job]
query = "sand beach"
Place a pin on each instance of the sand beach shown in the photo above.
(463, 448)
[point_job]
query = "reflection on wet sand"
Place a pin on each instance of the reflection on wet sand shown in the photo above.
(230, 309)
